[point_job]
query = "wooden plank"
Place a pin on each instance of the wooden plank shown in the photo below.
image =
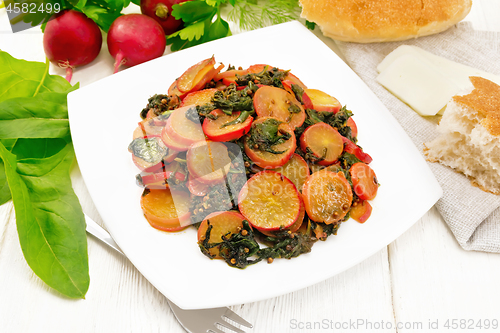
(435, 279)
(358, 297)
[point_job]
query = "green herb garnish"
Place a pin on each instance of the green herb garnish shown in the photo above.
(203, 22)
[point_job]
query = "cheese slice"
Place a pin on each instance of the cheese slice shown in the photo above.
(409, 71)
(418, 83)
(398, 52)
(458, 73)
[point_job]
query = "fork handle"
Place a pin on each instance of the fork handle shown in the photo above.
(97, 231)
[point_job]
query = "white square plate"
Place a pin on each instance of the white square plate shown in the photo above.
(104, 114)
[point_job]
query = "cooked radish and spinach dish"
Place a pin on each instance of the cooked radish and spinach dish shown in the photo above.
(260, 164)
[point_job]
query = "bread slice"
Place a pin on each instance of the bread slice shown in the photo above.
(470, 135)
(369, 21)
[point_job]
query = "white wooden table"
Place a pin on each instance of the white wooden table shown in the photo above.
(415, 284)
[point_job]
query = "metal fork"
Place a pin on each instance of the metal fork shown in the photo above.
(193, 321)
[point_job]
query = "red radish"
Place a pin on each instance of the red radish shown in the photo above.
(134, 39)
(161, 12)
(71, 39)
(360, 211)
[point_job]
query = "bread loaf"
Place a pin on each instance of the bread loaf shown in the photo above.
(470, 135)
(367, 21)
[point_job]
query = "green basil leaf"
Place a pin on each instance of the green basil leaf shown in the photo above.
(50, 222)
(21, 78)
(22, 117)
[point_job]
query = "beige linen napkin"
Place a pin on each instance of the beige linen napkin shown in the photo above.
(472, 215)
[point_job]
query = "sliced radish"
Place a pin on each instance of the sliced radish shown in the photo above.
(199, 97)
(323, 141)
(182, 129)
(170, 142)
(164, 210)
(223, 224)
(265, 159)
(216, 130)
(278, 103)
(361, 211)
(159, 180)
(257, 68)
(321, 101)
(295, 80)
(352, 125)
(351, 148)
(198, 75)
(173, 90)
(269, 201)
(147, 129)
(327, 196)
(304, 98)
(296, 169)
(295, 226)
(208, 162)
(230, 76)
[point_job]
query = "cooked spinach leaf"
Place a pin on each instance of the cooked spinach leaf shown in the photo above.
(148, 149)
(264, 136)
(236, 249)
(287, 245)
(269, 76)
(231, 99)
(298, 92)
(158, 104)
(241, 249)
(241, 118)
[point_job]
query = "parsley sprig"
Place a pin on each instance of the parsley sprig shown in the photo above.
(203, 22)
